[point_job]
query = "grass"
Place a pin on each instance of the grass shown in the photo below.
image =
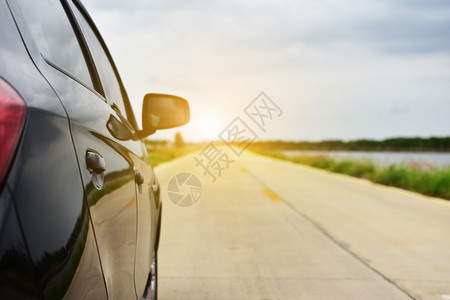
(431, 182)
(158, 156)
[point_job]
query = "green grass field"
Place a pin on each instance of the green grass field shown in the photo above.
(431, 182)
(161, 155)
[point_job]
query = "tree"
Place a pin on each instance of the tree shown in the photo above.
(179, 142)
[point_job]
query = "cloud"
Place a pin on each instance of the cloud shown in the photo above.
(145, 5)
(337, 66)
(399, 110)
(423, 30)
(390, 26)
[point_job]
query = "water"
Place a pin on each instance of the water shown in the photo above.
(381, 158)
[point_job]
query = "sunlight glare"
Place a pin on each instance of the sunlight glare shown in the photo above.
(208, 126)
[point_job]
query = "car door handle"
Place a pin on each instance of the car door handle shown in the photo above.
(138, 177)
(95, 162)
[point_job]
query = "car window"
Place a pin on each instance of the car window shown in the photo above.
(105, 70)
(55, 38)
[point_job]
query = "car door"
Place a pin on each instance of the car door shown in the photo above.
(104, 140)
(121, 129)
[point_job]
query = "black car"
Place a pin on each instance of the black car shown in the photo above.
(80, 213)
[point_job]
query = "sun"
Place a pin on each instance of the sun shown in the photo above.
(207, 126)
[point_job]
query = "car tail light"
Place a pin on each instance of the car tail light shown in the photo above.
(12, 120)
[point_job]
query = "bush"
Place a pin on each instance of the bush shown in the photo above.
(430, 182)
(442, 180)
(341, 167)
(393, 176)
(433, 182)
(364, 169)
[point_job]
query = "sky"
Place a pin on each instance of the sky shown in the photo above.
(347, 69)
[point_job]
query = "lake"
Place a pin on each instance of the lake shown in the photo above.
(383, 158)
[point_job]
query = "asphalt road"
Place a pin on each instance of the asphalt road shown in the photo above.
(267, 229)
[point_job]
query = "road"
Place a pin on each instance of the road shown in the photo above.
(268, 229)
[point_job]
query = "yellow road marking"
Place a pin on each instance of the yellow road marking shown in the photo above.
(243, 170)
(131, 203)
(271, 195)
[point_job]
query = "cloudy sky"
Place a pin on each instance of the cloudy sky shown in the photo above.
(343, 69)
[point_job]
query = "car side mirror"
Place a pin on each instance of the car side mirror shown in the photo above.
(161, 111)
